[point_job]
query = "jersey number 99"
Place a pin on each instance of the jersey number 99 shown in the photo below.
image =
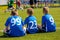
(16, 21)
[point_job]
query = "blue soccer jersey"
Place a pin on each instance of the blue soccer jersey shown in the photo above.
(31, 24)
(48, 23)
(16, 24)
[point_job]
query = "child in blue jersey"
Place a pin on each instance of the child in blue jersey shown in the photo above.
(48, 24)
(31, 22)
(14, 25)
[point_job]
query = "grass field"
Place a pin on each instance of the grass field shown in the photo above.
(55, 12)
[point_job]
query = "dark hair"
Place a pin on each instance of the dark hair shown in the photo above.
(30, 11)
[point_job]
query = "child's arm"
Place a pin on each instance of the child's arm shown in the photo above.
(7, 24)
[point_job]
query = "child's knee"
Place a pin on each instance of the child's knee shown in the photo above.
(39, 26)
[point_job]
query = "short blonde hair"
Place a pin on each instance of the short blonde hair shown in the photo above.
(30, 11)
(46, 9)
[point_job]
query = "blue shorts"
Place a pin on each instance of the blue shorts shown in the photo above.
(8, 34)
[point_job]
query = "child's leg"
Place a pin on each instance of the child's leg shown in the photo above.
(40, 28)
(21, 8)
(27, 31)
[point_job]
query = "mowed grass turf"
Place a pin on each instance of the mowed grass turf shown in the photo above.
(55, 12)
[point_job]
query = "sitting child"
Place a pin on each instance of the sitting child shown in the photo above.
(48, 24)
(31, 22)
(14, 25)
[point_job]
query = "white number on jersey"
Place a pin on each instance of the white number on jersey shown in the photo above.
(51, 20)
(16, 21)
(33, 24)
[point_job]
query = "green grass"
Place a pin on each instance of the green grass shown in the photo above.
(55, 12)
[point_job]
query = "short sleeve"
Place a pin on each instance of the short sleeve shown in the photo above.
(26, 21)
